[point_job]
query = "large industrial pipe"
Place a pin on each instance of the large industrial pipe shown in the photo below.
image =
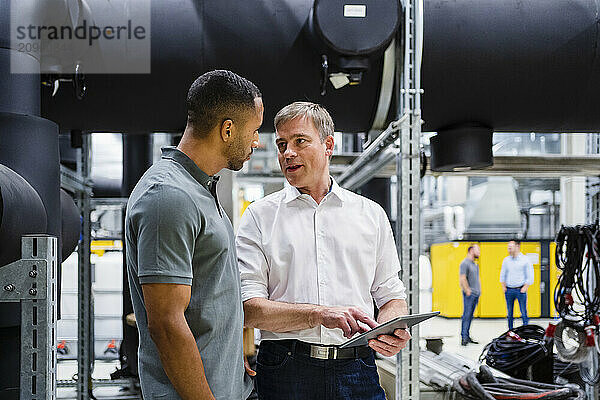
(493, 65)
(137, 158)
(272, 43)
(21, 213)
(70, 224)
(28, 148)
(506, 65)
(527, 65)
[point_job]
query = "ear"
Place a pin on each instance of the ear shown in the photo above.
(329, 145)
(226, 130)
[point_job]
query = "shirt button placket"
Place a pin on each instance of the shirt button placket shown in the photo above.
(320, 279)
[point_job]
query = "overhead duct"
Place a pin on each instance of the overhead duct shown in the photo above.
(492, 63)
(461, 147)
(271, 43)
(527, 66)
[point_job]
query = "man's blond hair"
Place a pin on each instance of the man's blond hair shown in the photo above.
(317, 113)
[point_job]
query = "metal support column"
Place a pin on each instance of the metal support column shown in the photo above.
(31, 281)
(85, 317)
(409, 190)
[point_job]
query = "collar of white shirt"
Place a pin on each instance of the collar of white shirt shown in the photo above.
(292, 193)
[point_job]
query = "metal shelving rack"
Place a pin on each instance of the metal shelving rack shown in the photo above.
(31, 281)
(401, 141)
(85, 324)
(408, 168)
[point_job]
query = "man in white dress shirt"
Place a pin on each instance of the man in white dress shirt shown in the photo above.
(313, 257)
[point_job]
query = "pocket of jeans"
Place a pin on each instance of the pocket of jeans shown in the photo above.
(272, 360)
(367, 362)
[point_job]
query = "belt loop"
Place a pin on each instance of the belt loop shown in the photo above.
(294, 343)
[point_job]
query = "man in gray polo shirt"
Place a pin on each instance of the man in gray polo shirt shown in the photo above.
(181, 258)
(471, 290)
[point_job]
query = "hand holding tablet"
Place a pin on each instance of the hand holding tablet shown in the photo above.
(388, 328)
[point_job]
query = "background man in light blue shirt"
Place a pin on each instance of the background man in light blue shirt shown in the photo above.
(515, 277)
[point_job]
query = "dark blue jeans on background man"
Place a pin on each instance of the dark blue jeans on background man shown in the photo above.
(469, 305)
(282, 374)
(511, 295)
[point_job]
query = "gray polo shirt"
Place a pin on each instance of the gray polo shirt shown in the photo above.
(471, 270)
(177, 233)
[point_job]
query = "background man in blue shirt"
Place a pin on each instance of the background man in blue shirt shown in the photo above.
(516, 276)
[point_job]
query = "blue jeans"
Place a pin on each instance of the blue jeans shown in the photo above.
(282, 374)
(469, 304)
(511, 295)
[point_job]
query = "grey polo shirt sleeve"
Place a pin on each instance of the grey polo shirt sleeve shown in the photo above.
(165, 220)
(463, 268)
(251, 258)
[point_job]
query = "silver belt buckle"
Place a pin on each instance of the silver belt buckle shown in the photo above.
(323, 353)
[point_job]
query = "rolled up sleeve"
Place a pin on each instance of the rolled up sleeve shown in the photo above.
(529, 275)
(387, 284)
(503, 272)
(251, 258)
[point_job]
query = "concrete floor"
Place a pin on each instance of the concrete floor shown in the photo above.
(482, 330)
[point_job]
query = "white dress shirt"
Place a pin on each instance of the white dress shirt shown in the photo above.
(340, 252)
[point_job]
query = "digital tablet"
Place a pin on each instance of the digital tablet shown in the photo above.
(403, 322)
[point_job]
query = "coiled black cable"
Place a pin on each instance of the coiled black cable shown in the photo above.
(509, 353)
(577, 256)
(577, 293)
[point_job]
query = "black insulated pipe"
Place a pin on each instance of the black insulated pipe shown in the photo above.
(265, 41)
(21, 213)
(70, 224)
(29, 147)
(516, 66)
(137, 158)
(461, 147)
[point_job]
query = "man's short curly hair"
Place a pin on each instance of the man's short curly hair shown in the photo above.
(219, 95)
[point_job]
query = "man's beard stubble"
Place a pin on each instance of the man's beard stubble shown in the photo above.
(235, 156)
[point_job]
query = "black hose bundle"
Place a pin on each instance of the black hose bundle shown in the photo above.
(484, 385)
(577, 295)
(578, 258)
(514, 351)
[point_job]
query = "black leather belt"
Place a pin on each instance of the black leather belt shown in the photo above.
(325, 352)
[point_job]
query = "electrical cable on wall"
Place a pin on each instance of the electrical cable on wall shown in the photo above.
(577, 295)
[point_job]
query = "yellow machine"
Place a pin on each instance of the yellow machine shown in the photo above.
(447, 295)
